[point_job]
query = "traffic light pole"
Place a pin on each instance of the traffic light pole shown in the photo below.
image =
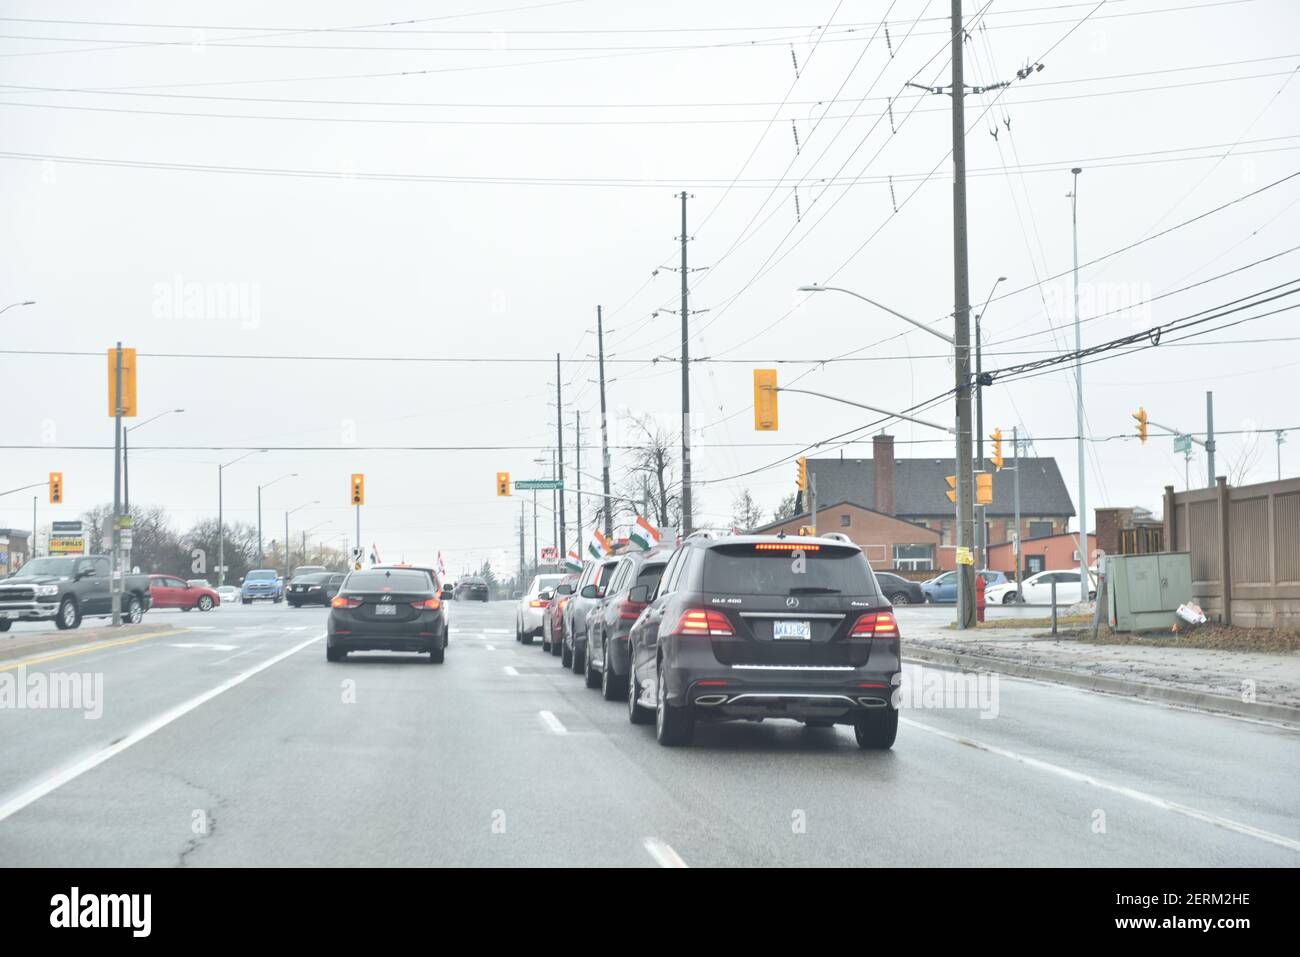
(559, 446)
(115, 575)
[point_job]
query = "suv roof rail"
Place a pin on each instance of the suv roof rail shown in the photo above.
(701, 533)
(838, 537)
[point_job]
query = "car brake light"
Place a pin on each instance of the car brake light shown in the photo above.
(630, 610)
(427, 603)
(784, 547)
(537, 603)
(704, 621)
(875, 624)
(341, 601)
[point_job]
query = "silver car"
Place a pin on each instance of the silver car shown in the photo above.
(532, 607)
(588, 595)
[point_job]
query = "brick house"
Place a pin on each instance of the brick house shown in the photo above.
(914, 491)
(888, 542)
(1041, 554)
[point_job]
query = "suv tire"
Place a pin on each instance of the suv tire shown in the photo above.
(611, 685)
(635, 712)
(674, 726)
(876, 730)
(566, 655)
(590, 675)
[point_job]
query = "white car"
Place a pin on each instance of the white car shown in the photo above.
(532, 606)
(228, 594)
(1037, 589)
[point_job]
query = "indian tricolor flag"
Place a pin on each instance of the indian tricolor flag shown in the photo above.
(645, 535)
(573, 561)
(598, 545)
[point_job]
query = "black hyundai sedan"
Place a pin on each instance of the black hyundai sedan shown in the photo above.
(387, 610)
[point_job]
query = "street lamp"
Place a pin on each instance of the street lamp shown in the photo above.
(126, 460)
(286, 533)
(27, 302)
(259, 511)
(813, 287)
(221, 517)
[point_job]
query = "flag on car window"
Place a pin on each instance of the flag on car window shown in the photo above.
(573, 561)
(598, 544)
(644, 535)
(374, 554)
(442, 569)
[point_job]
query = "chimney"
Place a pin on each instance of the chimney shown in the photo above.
(882, 459)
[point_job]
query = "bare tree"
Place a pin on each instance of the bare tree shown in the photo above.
(745, 513)
(788, 507)
(1241, 465)
(652, 474)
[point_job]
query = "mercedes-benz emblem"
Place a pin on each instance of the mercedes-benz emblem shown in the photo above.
(792, 602)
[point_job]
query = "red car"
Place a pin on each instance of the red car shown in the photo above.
(553, 616)
(167, 591)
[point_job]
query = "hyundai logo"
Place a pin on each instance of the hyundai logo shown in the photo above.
(387, 598)
(792, 602)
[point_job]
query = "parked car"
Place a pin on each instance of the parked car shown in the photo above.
(531, 608)
(65, 590)
(553, 614)
(943, 590)
(591, 589)
(168, 591)
(1037, 589)
(608, 624)
(228, 593)
(314, 588)
(391, 609)
(472, 588)
(735, 631)
(262, 584)
(899, 590)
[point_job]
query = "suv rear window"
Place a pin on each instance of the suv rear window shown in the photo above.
(746, 570)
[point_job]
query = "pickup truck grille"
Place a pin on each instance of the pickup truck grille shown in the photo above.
(16, 594)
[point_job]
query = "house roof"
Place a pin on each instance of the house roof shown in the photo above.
(920, 486)
(803, 516)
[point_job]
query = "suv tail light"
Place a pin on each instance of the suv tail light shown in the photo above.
(875, 624)
(704, 621)
(341, 601)
(630, 610)
(427, 603)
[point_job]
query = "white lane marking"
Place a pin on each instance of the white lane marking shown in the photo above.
(1141, 796)
(664, 855)
(210, 647)
(297, 628)
(490, 647)
(553, 724)
(497, 631)
(510, 670)
(73, 771)
(238, 654)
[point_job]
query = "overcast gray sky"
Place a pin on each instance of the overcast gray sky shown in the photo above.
(487, 177)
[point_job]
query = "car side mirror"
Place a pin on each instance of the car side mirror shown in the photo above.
(83, 573)
(639, 594)
(588, 591)
(546, 595)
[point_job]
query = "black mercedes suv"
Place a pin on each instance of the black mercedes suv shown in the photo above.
(752, 627)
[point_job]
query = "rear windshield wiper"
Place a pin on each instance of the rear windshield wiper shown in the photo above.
(813, 590)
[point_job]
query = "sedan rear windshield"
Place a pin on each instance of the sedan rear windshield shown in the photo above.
(746, 570)
(397, 580)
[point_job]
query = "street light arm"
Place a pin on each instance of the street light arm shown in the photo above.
(870, 408)
(893, 312)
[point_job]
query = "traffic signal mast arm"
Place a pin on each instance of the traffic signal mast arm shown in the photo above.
(1151, 421)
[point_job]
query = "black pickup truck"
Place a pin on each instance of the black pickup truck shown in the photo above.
(65, 590)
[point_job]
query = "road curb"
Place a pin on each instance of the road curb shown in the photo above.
(61, 642)
(1199, 700)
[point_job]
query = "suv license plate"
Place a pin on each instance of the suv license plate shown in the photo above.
(385, 609)
(792, 630)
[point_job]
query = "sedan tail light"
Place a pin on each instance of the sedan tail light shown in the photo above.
(538, 603)
(427, 603)
(341, 601)
(630, 610)
(704, 621)
(875, 624)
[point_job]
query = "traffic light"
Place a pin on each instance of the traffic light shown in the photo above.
(503, 483)
(952, 489)
(984, 488)
(358, 488)
(765, 400)
(803, 474)
(128, 382)
(1141, 416)
(996, 436)
(56, 488)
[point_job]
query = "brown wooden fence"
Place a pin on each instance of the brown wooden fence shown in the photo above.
(1245, 547)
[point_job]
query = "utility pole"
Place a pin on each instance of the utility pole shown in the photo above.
(555, 515)
(577, 464)
(1078, 396)
(523, 567)
(1015, 453)
(604, 428)
(1209, 438)
(687, 520)
(536, 544)
(115, 581)
(961, 331)
(559, 445)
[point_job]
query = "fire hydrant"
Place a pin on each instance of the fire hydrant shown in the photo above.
(979, 597)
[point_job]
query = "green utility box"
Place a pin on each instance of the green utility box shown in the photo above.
(1146, 590)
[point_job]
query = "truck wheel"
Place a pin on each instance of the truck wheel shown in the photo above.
(69, 614)
(134, 611)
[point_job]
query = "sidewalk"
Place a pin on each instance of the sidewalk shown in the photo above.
(31, 641)
(1247, 683)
